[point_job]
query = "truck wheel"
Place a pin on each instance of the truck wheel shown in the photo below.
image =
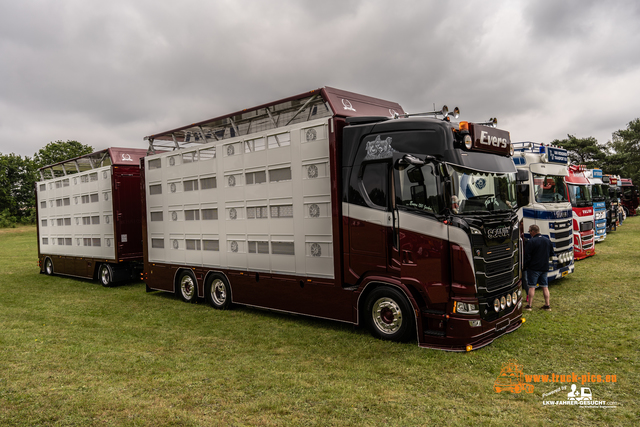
(218, 292)
(389, 315)
(105, 275)
(187, 287)
(48, 267)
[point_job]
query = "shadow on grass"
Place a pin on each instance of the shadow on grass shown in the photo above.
(271, 314)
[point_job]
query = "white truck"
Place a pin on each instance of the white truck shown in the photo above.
(542, 170)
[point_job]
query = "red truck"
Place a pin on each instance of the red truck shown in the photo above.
(579, 189)
(89, 216)
(629, 196)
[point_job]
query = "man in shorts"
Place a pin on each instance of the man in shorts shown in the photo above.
(536, 257)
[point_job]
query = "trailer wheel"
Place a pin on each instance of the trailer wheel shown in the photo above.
(389, 315)
(48, 267)
(187, 287)
(218, 292)
(105, 275)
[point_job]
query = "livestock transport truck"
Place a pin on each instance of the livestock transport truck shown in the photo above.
(544, 201)
(340, 206)
(89, 216)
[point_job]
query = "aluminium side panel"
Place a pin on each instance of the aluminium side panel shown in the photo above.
(260, 203)
(75, 220)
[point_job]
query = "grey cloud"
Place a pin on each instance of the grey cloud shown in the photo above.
(110, 73)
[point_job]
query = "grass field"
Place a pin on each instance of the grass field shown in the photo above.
(73, 353)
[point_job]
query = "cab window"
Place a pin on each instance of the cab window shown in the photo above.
(375, 183)
(417, 188)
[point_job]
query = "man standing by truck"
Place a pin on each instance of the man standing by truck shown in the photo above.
(536, 260)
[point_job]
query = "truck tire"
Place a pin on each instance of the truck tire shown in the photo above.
(48, 267)
(105, 275)
(218, 292)
(389, 315)
(187, 289)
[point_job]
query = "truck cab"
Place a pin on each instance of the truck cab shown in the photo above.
(599, 203)
(433, 205)
(629, 196)
(611, 205)
(583, 219)
(544, 201)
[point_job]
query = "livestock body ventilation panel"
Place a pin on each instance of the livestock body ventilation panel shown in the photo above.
(260, 202)
(89, 208)
(251, 190)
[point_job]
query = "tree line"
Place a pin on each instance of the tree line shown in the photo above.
(620, 156)
(18, 176)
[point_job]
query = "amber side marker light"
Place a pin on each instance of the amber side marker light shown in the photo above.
(524, 320)
(469, 347)
(464, 126)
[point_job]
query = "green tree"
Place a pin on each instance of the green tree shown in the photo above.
(583, 151)
(626, 146)
(59, 151)
(17, 189)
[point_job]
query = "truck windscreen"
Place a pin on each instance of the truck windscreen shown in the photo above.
(549, 189)
(596, 193)
(476, 192)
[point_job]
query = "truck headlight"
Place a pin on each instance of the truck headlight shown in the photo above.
(467, 308)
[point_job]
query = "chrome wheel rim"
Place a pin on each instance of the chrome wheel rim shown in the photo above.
(104, 276)
(49, 267)
(187, 287)
(387, 315)
(218, 292)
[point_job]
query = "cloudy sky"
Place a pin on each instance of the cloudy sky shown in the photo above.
(108, 73)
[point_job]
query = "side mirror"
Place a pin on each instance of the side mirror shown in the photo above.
(522, 176)
(523, 194)
(409, 159)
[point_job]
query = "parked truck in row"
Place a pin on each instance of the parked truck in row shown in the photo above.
(629, 196)
(611, 204)
(594, 176)
(544, 201)
(89, 216)
(616, 196)
(583, 219)
(338, 206)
